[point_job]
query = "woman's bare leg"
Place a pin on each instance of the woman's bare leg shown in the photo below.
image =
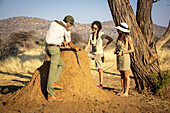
(122, 83)
(100, 76)
(127, 83)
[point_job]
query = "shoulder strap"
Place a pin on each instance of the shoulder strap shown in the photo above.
(93, 36)
(60, 23)
(96, 36)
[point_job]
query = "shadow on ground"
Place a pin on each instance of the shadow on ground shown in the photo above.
(9, 89)
(17, 75)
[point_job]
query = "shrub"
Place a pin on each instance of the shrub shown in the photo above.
(10, 46)
(162, 84)
(77, 39)
(24, 39)
(7, 49)
(41, 42)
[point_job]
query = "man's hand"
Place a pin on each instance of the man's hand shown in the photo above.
(74, 46)
(77, 49)
(65, 43)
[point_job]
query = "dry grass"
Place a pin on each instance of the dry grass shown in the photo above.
(27, 62)
(15, 72)
(32, 59)
(164, 58)
(24, 63)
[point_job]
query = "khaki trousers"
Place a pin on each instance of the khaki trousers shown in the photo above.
(56, 68)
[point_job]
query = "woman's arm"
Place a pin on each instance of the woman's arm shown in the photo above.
(130, 46)
(109, 41)
(87, 46)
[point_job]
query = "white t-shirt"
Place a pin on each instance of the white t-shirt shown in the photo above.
(99, 43)
(56, 34)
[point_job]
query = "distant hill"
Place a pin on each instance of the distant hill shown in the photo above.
(7, 26)
(15, 24)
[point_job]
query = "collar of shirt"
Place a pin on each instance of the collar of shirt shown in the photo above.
(63, 23)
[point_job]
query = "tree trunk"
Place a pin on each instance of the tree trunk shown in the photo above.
(144, 19)
(163, 39)
(143, 65)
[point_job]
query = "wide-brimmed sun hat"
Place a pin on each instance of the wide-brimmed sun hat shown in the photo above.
(123, 27)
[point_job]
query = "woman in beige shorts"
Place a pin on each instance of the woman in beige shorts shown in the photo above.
(96, 41)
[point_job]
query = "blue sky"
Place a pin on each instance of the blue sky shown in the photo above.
(84, 11)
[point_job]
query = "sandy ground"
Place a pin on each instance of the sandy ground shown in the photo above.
(135, 102)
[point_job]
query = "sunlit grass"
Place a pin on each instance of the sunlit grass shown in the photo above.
(24, 63)
(30, 60)
(164, 59)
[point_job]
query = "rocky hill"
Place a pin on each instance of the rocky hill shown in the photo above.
(15, 24)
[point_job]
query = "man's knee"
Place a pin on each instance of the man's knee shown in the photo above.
(63, 65)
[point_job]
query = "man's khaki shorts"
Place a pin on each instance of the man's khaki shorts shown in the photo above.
(99, 59)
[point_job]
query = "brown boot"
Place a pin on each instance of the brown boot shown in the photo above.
(56, 86)
(54, 98)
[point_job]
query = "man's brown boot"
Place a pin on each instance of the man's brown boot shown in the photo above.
(56, 86)
(54, 98)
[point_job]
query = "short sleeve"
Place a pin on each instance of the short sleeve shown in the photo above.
(90, 37)
(103, 35)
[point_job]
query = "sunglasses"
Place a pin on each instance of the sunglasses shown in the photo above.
(94, 28)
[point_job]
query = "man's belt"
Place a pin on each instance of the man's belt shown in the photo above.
(53, 45)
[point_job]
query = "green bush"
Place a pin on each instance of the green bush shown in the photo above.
(162, 83)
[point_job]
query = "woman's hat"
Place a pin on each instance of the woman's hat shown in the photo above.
(123, 27)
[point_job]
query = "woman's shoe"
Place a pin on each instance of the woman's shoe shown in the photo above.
(100, 86)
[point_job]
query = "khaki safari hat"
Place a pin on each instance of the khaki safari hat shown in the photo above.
(123, 27)
(70, 19)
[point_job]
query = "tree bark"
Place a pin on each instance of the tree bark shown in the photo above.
(163, 39)
(144, 20)
(143, 65)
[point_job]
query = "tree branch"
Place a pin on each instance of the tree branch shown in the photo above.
(155, 1)
(164, 38)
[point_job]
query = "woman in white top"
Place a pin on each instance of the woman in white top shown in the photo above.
(96, 41)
